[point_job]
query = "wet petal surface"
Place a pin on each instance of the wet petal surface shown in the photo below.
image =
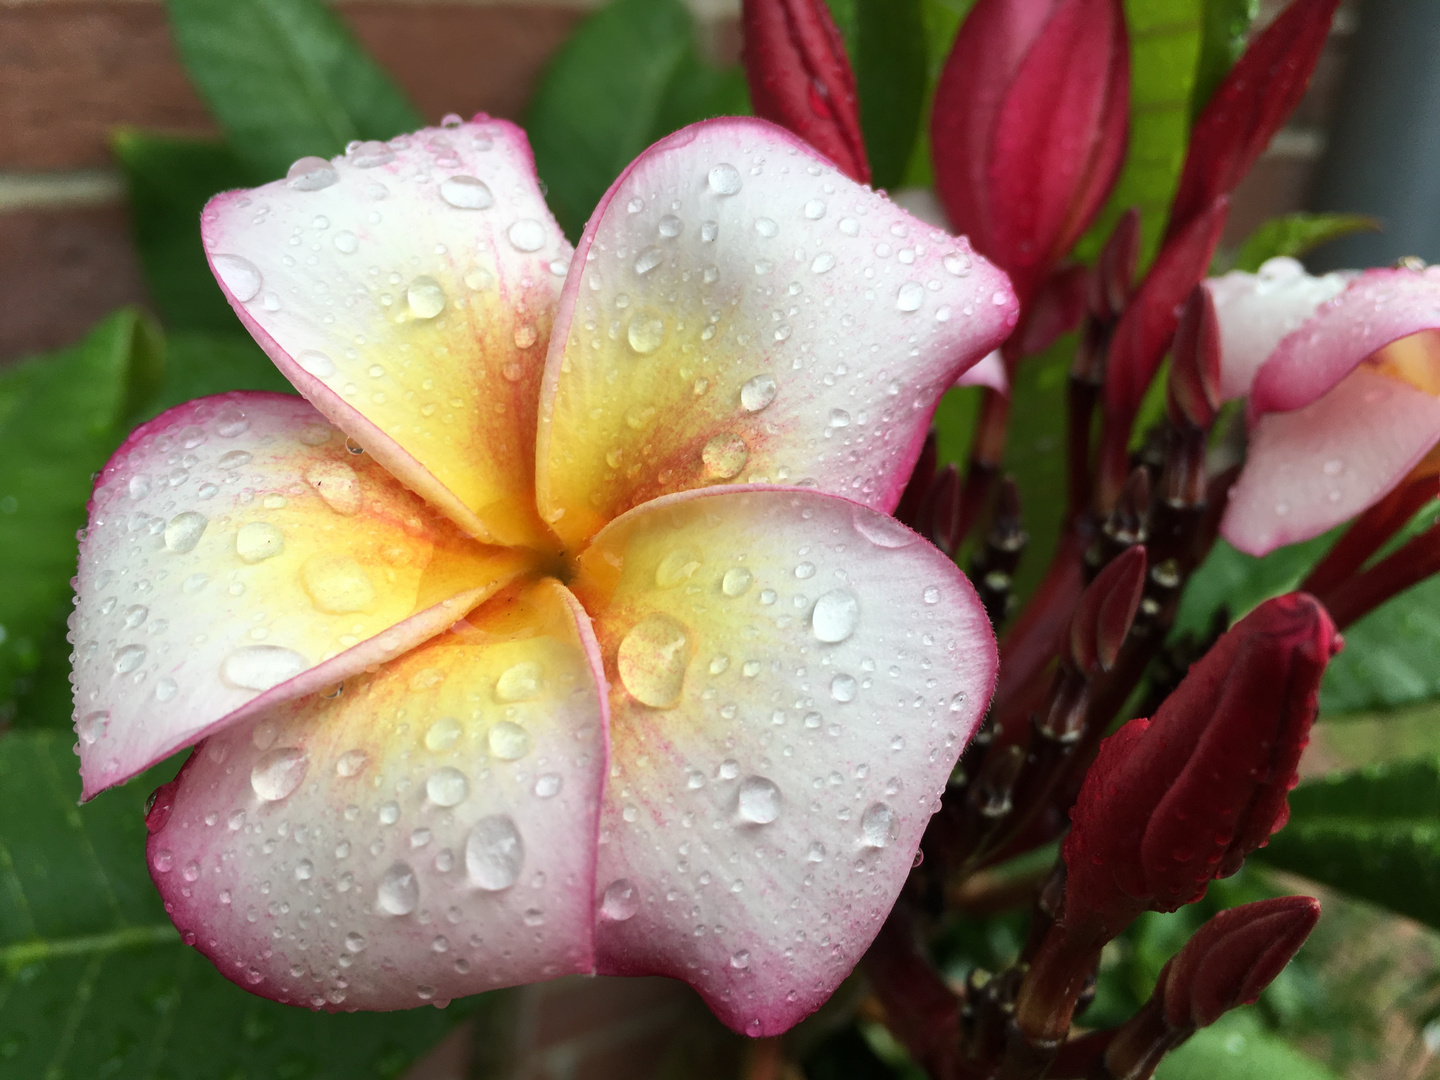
(741, 312)
(425, 833)
(407, 289)
(792, 677)
(1312, 468)
(240, 548)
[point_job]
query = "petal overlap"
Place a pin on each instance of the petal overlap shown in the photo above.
(408, 289)
(424, 833)
(240, 550)
(740, 311)
(792, 676)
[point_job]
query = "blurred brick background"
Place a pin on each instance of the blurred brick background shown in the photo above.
(73, 70)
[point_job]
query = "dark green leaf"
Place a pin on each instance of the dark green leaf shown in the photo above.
(1237, 582)
(1236, 1047)
(197, 365)
(890, 74)
(1223, 40)
(1164, 46)
(170, 181)
(66, 413)
(1389, 658)
(628, 75)
(1374, 834)
(1296, 234)
(285, 79)
(93, 979)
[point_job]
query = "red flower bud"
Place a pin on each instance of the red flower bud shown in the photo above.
(1148, 326)
(800, 78)
(1114, 276)
(1173, 802)
(1249, 107)
(1232, 958)
(1106, 609)
(1193, 392)
(1029, 127)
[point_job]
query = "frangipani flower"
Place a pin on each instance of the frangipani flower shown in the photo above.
(1342, 373)
(601, 658)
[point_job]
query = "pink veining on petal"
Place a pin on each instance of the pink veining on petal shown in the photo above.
(1312, 468)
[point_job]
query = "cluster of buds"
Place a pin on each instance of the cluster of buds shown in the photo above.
(1028, 137)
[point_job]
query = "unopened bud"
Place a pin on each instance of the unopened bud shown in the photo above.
(1193, 390)
(1105, 613)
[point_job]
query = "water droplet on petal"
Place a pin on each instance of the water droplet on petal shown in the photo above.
(932, 595)
(260, 667)
(337, 484)
(652, 660)
(877, 825)
(259, 540)
(835, 616)
(311, 174)
(352, 763)
(646, 332)
(767, 227)
(724, 179)
(816, 852)
(548, 785)
(648, 260)
(368, 155)
(823, 263)
(231, 422)
(815, 209)
(736, 581)
(677, 567)
(316, 363)
(508, 742)
(399, 891)
(346, 242)
(425, 297)
(621, 900)
(520, 682)
(466, 193)
(91, 727)
(239, 275)
(724, 456)
(447, 787)
(740, 961)
(843, 687)
(337, 584)
(278, 772)
(758, 393)
(494, 853)
(234, 459)
(128, 658)
(911, 296)
(527, 234)
(183, 531)
(759, 800)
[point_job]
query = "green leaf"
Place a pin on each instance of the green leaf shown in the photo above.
(1374, 834)
(1296, 234)
(1165, 40)
(169, 182)
(890, 75)
(1222, 42)
(197, 365)
(1236, 1047)
(627, 76)
(285, 79)
(94, 981)
(1236, 581)
(1389, 656)
(64, 415)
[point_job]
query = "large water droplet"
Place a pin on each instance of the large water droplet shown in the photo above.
(736, 581)
(311, 174)
(527, 235)
(548, 785)
(239, 275)
(183, 531)
(877, 825)
(91, 727)
(494, 853)
(724, 179)
(767, 227)
(466, 193)
(520, 682)
(337, 484)
(843, 687)
(278, 772)
(399, 891)
(128, 658)
(368, 155)
(724, 456)
(758, 392)
(337, 584)
(346, 242)
(508, 742)
(352, 763)
(260, 667)
(835, 616)
(648, 259)
(646, 331)
(740, 961)
(447, 787)
(425, 297)
(443, 734)
(258, 541)
(652, 660)
(910, 297)
(677, 567)
(621, 900)
(759, 800)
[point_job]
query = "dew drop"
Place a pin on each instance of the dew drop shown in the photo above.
(822, 263)
(443, 734)
(258, 541)
(652, 660)
(447, 787)
(399, 891)
(337, 484)
(911, 296)
(368, 155)
(527, 234)
(91, 727)
(508, 741)
(646, 332)
(724, 179)
(736, 581)
(759, 800)
(351, 763)
(648, 260)
(767, 227)
(931, 595)
(354, 942)
(520, 682)
(494, 853)
(337, 584)
(740, 961)
(278, 772)
(425, 297)
(139, 486)
(876, 825)
(466, 193)
(724, 456)
(128, 658)
(758, 393)
(671, 226)
(234, 459)
(835, 616)
(260, 667)
(548, 785)
(346, 242)
(621, 900)
(815, 209)
(816, 852)
(231, 423)
(843, 687)
(311, 174)
(676, 567)
(166, 689)
(239, 275)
